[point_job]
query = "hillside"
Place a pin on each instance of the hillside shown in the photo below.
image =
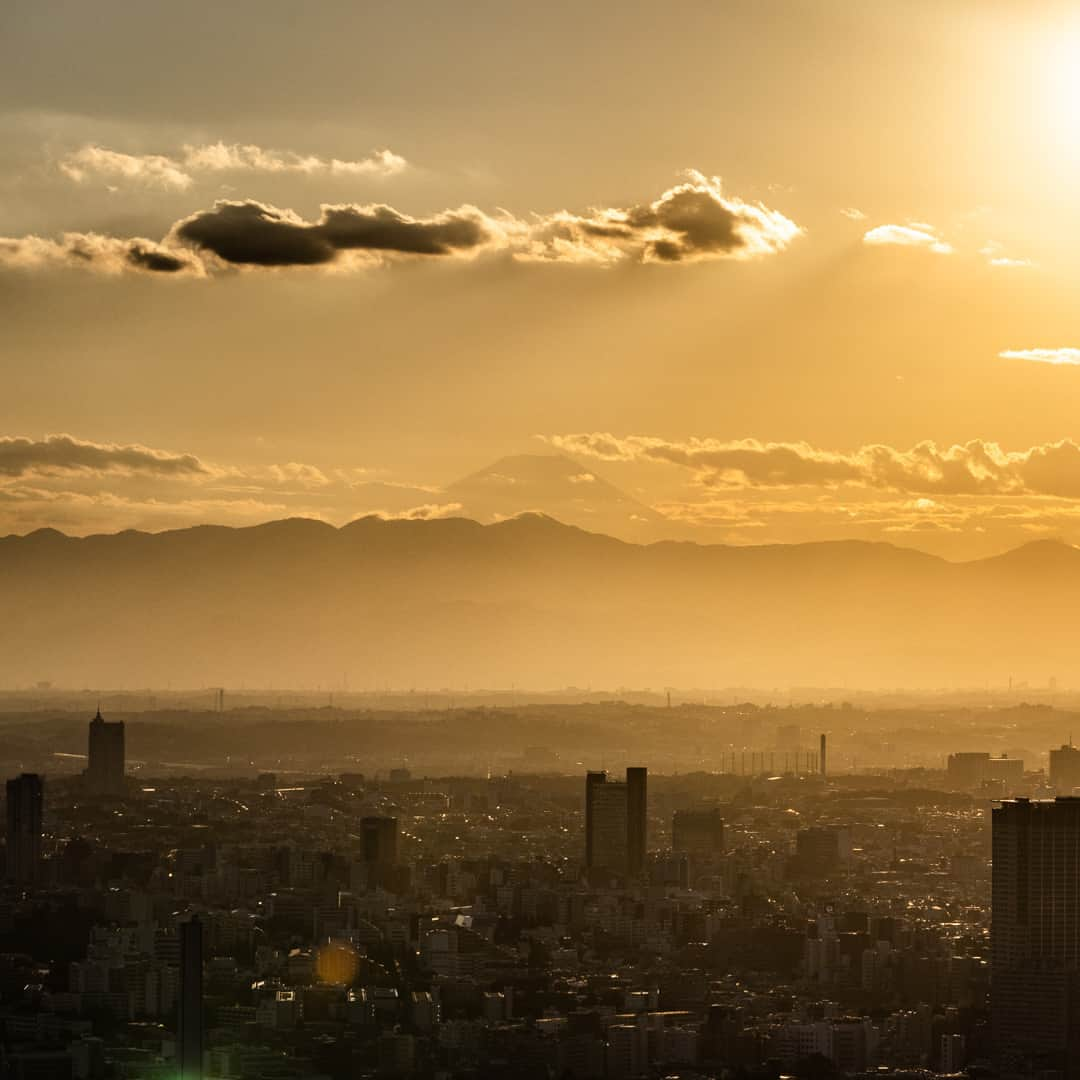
(528, 601)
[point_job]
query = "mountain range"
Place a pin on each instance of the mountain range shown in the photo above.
(527, 601)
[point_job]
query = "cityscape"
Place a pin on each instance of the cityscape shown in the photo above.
(794, 915)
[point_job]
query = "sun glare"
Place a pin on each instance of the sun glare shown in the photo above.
(1062, 108)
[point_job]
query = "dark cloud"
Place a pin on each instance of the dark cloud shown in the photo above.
(697, 219)
(253, 234)
(382, 228)
(155, 259)
(692, 221)
(21, 456)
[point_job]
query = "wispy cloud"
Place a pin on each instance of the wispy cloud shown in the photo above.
(913, 235)
(853, 213)
(178, 173)
(1069, 357)
(995, 255)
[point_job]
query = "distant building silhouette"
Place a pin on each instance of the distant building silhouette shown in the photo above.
(616, 822)
(189, 1035)
(697, 832)
(105, 757)
(978, 770)
(820, 851)
(379, 840)
(1065, 769)
(25, 806)
(1035, 936)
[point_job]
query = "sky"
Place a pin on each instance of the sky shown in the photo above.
(778, 271)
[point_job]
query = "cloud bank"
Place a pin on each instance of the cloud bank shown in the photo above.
(977, 467)
(691, 222)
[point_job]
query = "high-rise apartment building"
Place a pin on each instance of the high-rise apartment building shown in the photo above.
(105, 757)
(1065, 769)
(189, 1036)
(1035, 936)
(379, 840)
(616, 817)
(25, 806)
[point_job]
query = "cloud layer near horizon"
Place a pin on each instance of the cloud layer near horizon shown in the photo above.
(739, 491)
(21, 456)
(977, 467)
(692, 221)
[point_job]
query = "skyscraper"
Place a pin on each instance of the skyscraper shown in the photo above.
(189, 1036)
(616, 822)
(25, 805)
(1035, 935)
(105, 757)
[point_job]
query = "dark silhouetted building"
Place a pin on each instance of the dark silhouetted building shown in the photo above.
(1035, 936)
(105, 757)
(697, 832)
(975, 770)
(189, 1035)
(379, 840)
(819, 851)
(637, 821)
(1065, 770)
(25, 806)
(616, 822)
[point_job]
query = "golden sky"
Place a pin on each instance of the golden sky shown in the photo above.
(776, 271)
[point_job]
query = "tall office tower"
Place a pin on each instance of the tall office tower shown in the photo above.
(1065, 769)
(1035, 936)
(615, 822)
(821, 757)
(105, 757)
(378, 840)
(25, 803)
(637, 799)
(189, 1036)
(697, 832)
